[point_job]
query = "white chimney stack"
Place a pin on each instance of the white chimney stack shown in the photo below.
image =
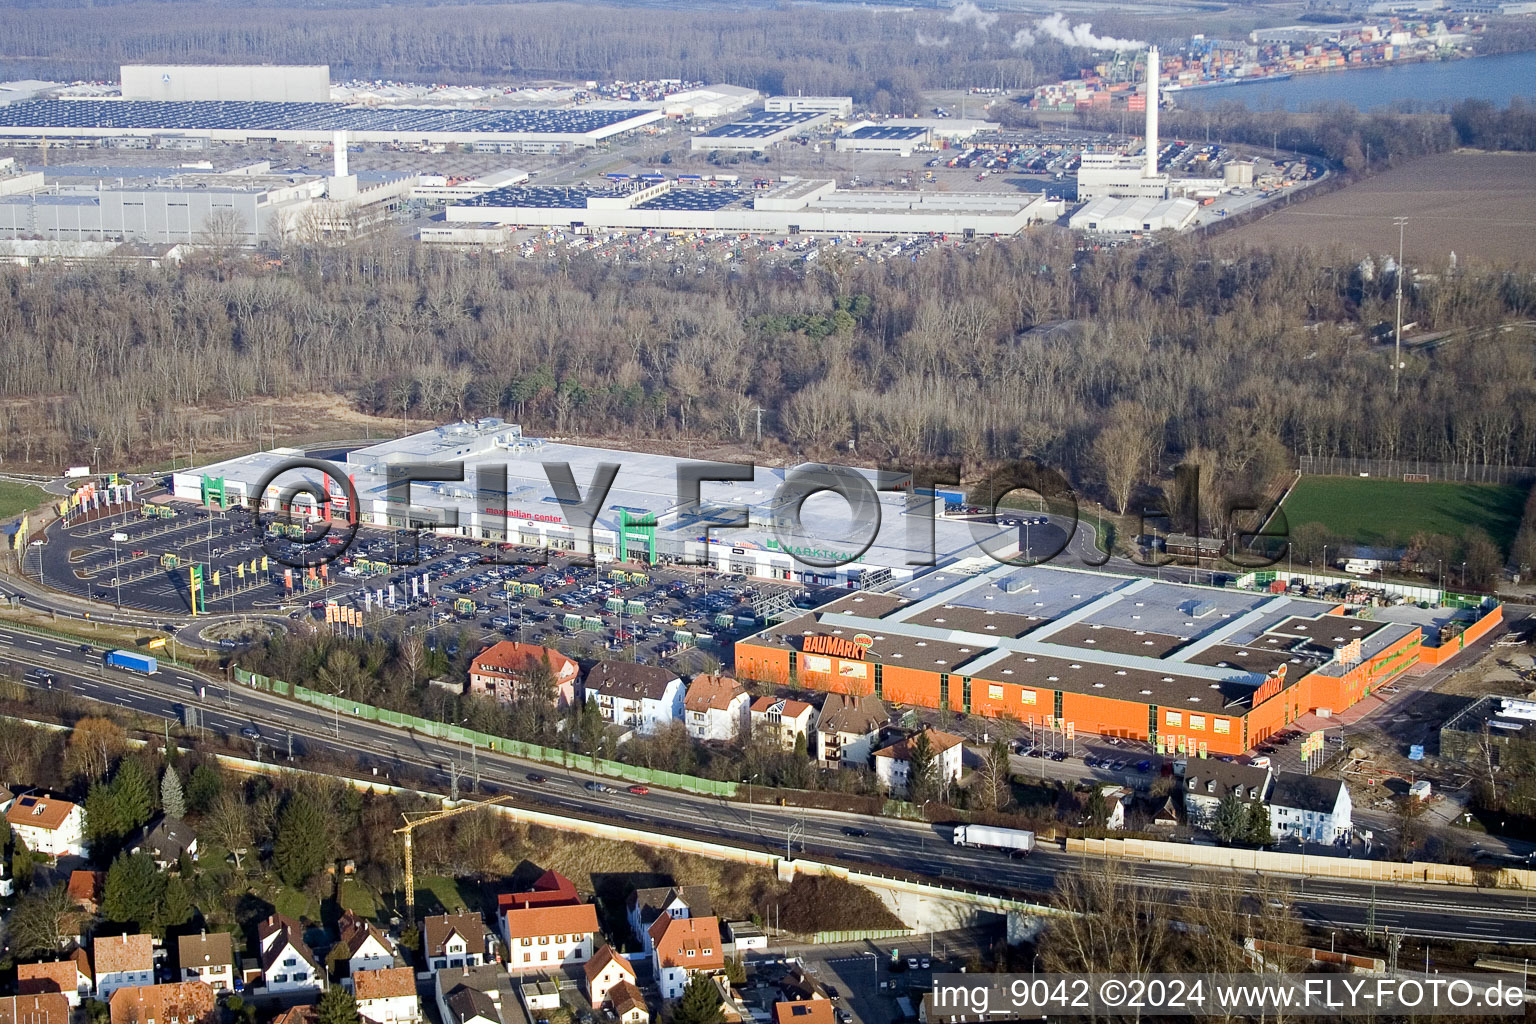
(1154, 69)
(339, 147)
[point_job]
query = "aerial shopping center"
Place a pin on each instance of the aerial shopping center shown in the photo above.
(1193, 670)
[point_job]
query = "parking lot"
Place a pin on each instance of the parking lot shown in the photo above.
(391, 582)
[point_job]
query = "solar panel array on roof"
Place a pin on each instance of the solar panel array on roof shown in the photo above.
(547, 197)
(238, 116)
(695, 199)
(761, 124)
(887, 131)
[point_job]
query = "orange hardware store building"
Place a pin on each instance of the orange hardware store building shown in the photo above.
(1195, 670)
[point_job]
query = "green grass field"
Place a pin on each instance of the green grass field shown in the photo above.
(16, 498)
(1387, 513)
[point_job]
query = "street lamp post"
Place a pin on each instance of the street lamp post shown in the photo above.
(1397, 346)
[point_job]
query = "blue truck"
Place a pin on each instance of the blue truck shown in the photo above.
(132, 661)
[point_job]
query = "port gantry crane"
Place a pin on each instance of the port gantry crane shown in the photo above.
(416, 819)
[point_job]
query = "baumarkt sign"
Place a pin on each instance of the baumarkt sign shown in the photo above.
(821, 554)
(836, 646)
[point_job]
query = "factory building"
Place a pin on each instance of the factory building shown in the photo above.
(240, 206)
(232, 82)
(1111, 175)
(758, 131)
(1197, 671)
(808, 206)
(837, 106)
(1134, 216)
(868, 137)
(709, 102)
(144, 123)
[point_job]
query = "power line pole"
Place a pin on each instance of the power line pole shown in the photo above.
(759, 411)
(1397, 347)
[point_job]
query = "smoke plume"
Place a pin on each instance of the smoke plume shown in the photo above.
(1057, 27)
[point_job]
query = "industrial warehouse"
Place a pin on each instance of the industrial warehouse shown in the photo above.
(1192, 670)
(247, 121)
(641, 518)
(240, 205)
(808, 206)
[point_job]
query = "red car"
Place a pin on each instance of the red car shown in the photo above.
(639, 790)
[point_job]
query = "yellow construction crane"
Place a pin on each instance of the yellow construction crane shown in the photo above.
(415, 819)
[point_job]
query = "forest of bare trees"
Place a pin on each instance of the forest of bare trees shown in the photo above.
(883, 59)
(1017, 347)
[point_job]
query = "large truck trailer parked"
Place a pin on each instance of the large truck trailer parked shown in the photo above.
(133, 661)
(1011, 840)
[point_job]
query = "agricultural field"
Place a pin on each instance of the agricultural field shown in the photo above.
(1478, 205)
(1387, 513)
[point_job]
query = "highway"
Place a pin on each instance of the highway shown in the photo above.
(911, 847)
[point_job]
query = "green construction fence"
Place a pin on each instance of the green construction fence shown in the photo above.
(499, 744)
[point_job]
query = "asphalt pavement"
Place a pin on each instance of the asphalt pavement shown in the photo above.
(914, 847)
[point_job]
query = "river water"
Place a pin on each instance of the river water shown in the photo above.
(1432, 85)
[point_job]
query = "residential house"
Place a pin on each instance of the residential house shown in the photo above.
(546, 938)
(305, 1013)
(847, 729)
(1166, 815)
(6, 799)
(208, 957)
(164, 840)
(123, 960)
(85, 889)
(455, 940)
(41, 1008)
(477, 995)
(48, 825)
(682, 947)
(1208, 782)
(715, 708)
(7, 884)
(70, 977)
(1114, 800)
(387, 995)
(551, 889)
(795, 985)
(639, 697)
(287, 963)
(471, 1006)
(628, 1004)
(365, 946)
(893, 763)
(605, 970)
(681, 901)
(502, 669)
(783, 719)
(180, 1002)
(1311, 808)
(803, 1011)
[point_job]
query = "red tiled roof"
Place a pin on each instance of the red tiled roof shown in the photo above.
(791, 709)
(388, 983)
(938, 742)
(188, 1001)
(712, 693)
(803, 1011)
(118, 953)
(673, 937)
(625, 996)
(531, 922)
(601, 959)
(43, 1008)
(46, 812)
(54, 976)
(508, 657)
(551, 889)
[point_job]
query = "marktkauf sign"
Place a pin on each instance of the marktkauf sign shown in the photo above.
(835, 646)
